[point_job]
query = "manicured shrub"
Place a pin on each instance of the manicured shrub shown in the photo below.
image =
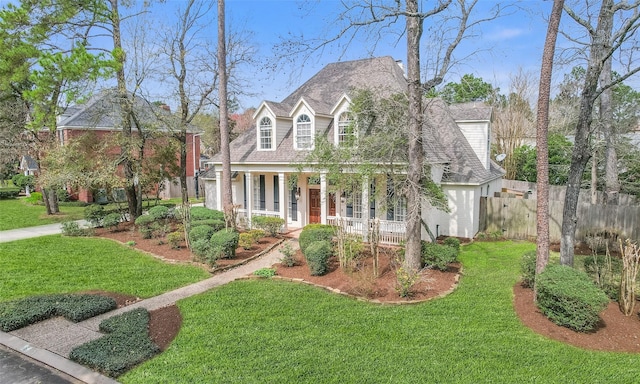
(35, 198)
(144, 224)
(213, 223)
(226, 241)
(569, 298)
(438, 256)
(111, 221)
(72, 229)
(63, 195)
(203, 213)
(126, 344)
(22, 181)
(94, 214)
(271, 225)
(314, 232)
(256, 234)
(317, 256)
(159, 212)
(452, 242)
(245, 240)
(10, 193)
(528, 268)
(16, 314)
(201, 232)
(175, 238)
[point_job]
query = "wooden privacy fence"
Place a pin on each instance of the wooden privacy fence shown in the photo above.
(516, 218)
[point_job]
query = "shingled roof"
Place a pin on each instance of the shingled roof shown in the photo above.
(103, 111)
(382, 75)
(443, 142)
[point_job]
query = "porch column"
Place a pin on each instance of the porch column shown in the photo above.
(282, 198)
(219, 190)
(324, 212)
(365, 208)
(249, 193)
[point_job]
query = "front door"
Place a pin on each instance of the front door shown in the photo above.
(314, 206)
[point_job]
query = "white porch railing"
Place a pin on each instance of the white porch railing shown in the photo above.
(391, 232)
(245, 221)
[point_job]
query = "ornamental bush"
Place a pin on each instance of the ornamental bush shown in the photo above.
(159, 212)
(528, 268)
(217, 225)
(111, 221)
(313, 233)
(226, 241)
(175, 238)
(271, 225)
(94, 214)
(201, 232)
(317, 256)
(245, 240)
(35, 198)
(569, 298)
(438, 256)
(204, 213)
(453, 242)
(144, 224)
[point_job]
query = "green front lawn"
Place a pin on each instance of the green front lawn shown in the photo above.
(15, 213)
(56, 264)
(262, 331)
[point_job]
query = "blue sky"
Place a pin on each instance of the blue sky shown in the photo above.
(502, 47)
(506, 44)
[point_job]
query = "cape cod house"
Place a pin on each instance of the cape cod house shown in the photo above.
(101, 116)
(265, 158)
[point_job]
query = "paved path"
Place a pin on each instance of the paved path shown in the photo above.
(16, 368)
(29, 232)
(50, 342)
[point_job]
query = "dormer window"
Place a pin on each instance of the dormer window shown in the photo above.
(346, 134)
(266, 133)
(304, 137)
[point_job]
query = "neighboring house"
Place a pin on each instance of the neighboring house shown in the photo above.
(264, 159)
(29, 167)
(102, 116)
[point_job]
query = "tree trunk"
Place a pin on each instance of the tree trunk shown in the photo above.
(594, 177)
(612, 183)
(600, 46)
(416, 155)
(227, 201)
(542, 130)
(183, 165)
(131, 179)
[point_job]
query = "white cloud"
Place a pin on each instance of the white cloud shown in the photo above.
(507, 33)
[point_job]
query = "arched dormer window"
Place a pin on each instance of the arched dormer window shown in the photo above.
(304, 136)
(346, 129)
(266, 133)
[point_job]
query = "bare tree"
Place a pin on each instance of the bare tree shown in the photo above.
(451, 23)
(227, 200)
(513, 120)
(193, 74)
(604, 43)
(542, 130)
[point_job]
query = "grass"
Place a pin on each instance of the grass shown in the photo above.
(18, 214)
(258, 331)
(56, 264)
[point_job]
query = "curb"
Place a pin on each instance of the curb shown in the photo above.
(54, 361)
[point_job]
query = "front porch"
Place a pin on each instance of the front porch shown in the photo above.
(302, 199)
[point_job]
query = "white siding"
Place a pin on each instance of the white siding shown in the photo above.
(463, 219)
(210, 194)
(477, 134)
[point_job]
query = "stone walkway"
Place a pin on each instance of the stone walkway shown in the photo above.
(51, 341)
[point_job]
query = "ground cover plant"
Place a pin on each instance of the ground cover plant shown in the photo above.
(17, 214)
(469, 336)
(57, 264)
(19, 313)
(125, 344)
